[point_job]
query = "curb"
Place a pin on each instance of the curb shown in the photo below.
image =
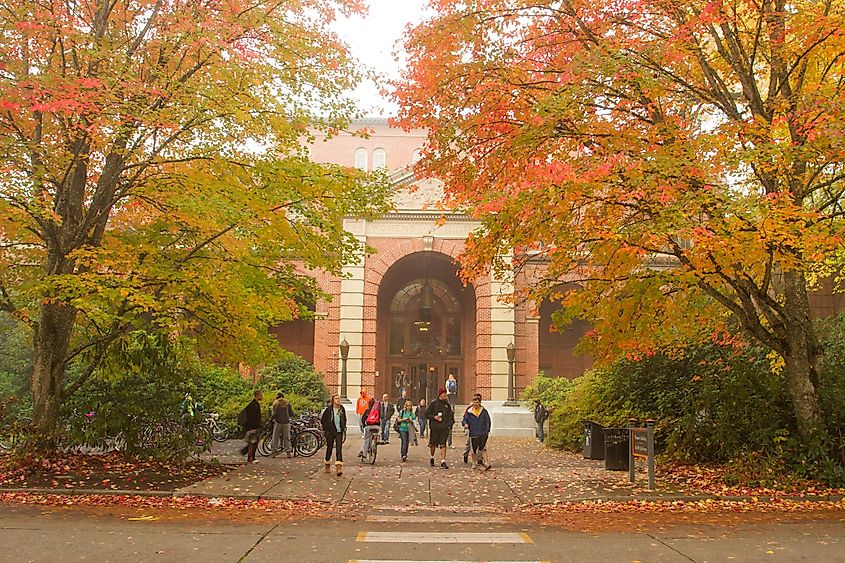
(594, 499)
(77, 492)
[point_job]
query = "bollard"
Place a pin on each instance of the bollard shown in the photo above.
(650, 429)
(632, 467)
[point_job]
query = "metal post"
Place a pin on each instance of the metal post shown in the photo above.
(650, 438)
(511, 351)
(632, 468)
(344, 355)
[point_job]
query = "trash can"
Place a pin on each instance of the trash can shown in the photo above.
(593, 440)
(616, 449)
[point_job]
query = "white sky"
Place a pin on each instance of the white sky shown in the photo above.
(373, 41)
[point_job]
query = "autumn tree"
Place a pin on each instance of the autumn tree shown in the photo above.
(680, 160)
(154, 176)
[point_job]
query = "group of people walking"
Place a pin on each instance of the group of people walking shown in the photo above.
(411, 422)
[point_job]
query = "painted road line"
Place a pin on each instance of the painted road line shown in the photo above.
(438, 518)
(444, 538)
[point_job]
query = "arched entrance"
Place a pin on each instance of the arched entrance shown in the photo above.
(426, 328)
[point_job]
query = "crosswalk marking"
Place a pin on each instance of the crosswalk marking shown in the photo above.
(421, 519)
(444, 537)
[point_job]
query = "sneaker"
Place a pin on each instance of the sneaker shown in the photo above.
(487, 467)
(431, 461)
(255, 461)
(466, 457)
(404, 458)
(443, 465)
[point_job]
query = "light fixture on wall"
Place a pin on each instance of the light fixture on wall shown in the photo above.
(426, 300)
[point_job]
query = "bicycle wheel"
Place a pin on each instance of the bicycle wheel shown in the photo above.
(373, 453)
(265, 444)
(221, 431)
(307, 443)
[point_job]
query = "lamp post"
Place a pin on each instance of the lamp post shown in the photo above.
(344, 355)
(511, 350)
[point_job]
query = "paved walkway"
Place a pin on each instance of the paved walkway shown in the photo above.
(523, 472)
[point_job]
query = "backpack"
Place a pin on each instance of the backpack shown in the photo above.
(242, 418)
(451, 386)
(373, 417)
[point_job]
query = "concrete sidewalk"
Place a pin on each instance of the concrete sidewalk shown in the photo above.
(524, 472)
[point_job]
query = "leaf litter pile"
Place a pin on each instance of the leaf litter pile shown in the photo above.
(187, 508)
(109, 471)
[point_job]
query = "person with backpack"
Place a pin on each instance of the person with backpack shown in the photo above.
(385, 415)
(440, 418)
(541, 414)
(372, 425)
(282, 413)
(250, 420)
(333, 421)
(405, 420)
(452, 395)
(477, 422)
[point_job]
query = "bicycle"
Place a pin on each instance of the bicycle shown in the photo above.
(218, 429)
(304, 441)
(372, 452)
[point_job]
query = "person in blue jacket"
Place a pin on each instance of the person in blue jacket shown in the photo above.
(477, 422)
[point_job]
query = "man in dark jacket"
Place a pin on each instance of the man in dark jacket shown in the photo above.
(540, 416)
(385, 415)
(440, 418)
(253, 425)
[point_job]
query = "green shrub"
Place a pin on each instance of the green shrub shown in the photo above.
(297, 379)
(715, 404)
(548, 390)
(15, 368)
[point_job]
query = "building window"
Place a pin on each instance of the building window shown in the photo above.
(379, 159)
(361, 159)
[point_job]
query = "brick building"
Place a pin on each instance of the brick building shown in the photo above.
(407, 317)
(405, 314)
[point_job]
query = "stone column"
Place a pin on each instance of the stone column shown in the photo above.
(352, 310)
(502, 333)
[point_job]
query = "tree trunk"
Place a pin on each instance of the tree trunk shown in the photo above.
(51, 341)
(801, 355)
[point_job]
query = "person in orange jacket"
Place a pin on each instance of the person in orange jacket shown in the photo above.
(361, 406)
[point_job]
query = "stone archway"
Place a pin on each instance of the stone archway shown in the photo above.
(417, 350)
(443, 254)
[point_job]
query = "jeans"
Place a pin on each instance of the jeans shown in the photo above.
(540, 432)
(334, 442)
(423, 424)
(403, 438)
(385, 430)
(369, 431)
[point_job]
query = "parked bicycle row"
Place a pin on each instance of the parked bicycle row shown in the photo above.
(85, 433)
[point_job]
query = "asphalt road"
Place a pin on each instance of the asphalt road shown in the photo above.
(52, 534)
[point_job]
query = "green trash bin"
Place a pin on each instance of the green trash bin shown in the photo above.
(593, 440)
(616, 449)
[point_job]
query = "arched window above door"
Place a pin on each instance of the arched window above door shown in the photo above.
(441, 291)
